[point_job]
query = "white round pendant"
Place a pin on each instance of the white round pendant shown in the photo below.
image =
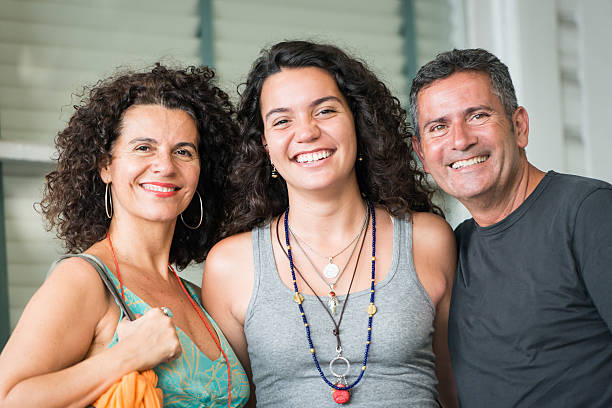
(331, 270)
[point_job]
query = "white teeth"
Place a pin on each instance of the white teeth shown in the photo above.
(468, 162)
(153, 187)
(310, 157)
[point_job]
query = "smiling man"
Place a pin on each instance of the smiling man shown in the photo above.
(531, 312)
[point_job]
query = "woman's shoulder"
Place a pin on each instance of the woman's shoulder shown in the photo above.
(434, 252)
(230, 253)
(74, 271)
(79, 274)
(431, 227)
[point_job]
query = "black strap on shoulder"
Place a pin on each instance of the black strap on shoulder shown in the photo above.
(101, 269)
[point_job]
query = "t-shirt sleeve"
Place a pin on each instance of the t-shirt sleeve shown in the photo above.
(593, 249)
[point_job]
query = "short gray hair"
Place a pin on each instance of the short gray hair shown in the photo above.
(473, 59)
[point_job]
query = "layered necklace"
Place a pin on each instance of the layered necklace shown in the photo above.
(333, 301)
(331, 270)
(340, 386)
(193, 304)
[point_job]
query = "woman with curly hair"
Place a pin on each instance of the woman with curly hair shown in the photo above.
(137, 187)
(351, 268)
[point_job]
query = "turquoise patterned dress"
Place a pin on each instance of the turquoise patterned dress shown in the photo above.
(193, 380)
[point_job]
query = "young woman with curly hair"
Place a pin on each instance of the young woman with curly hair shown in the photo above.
(336, 258)
(140, 171)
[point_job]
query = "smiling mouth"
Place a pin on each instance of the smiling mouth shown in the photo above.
(312, 157)
(468, 162)
(159, 189)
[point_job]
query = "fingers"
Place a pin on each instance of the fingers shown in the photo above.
(166, 336)
(176, 353)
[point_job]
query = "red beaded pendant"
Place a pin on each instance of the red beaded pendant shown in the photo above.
(341, 396)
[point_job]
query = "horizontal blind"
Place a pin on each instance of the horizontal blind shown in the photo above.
(568, 49)
(366, 29)
(433, 27)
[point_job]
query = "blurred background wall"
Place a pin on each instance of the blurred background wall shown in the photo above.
(557, 52)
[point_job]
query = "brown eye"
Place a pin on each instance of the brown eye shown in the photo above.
(185, 154)
(480, 117)
(327, 111)
(280, 122)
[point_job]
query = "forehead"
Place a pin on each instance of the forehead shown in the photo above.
(159, 119)
(457, 92)
(297, 86)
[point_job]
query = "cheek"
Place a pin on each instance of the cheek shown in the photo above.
(194, 174)
(276, 148)
(433, 152)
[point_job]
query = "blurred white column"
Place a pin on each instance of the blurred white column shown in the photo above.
(595, 55)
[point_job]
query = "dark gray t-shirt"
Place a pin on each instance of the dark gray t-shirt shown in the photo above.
(531, 311)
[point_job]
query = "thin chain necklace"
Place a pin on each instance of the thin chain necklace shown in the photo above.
(336, 330)
(333, 301)
(331, 270)
(341, 384)
(229, 377)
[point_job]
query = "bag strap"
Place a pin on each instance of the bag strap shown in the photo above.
(97, 264)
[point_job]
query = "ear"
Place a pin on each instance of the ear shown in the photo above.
(265, 143)
(520, 121)
(416, 146)
(105, 174)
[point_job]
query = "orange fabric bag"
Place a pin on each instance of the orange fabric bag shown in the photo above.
(134, 390)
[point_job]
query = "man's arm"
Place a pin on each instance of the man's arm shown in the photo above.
(593, 249)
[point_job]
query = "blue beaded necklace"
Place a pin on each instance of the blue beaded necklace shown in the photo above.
(298, 298)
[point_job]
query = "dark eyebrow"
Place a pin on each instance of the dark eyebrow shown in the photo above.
(441, 119)
(477, 108)
(143, 139)
(188, 144)
(277, 110)
(325, 99)
(312, 104)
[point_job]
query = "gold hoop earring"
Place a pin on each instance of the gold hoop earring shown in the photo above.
(108, 199)
(201, 215)
(274, 173)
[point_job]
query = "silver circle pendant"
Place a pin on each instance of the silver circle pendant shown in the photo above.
(331, 270)
(346, 370)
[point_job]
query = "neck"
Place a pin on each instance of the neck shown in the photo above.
(504, 201)
(327, 220)
(141, 243)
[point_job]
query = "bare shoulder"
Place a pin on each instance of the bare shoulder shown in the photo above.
(432, 230)
(229, 256)
(435, 253)
(227, 282)
(78, 276)
(74, 284)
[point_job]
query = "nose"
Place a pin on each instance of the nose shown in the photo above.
(163, 162)
(307, 130)
(463, 137)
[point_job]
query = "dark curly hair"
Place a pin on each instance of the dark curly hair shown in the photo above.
(73, 198)
(388, 175)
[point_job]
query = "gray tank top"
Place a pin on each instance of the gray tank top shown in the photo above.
(400, 370)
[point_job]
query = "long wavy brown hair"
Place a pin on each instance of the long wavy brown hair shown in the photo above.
(73, 198)
(388, 174)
